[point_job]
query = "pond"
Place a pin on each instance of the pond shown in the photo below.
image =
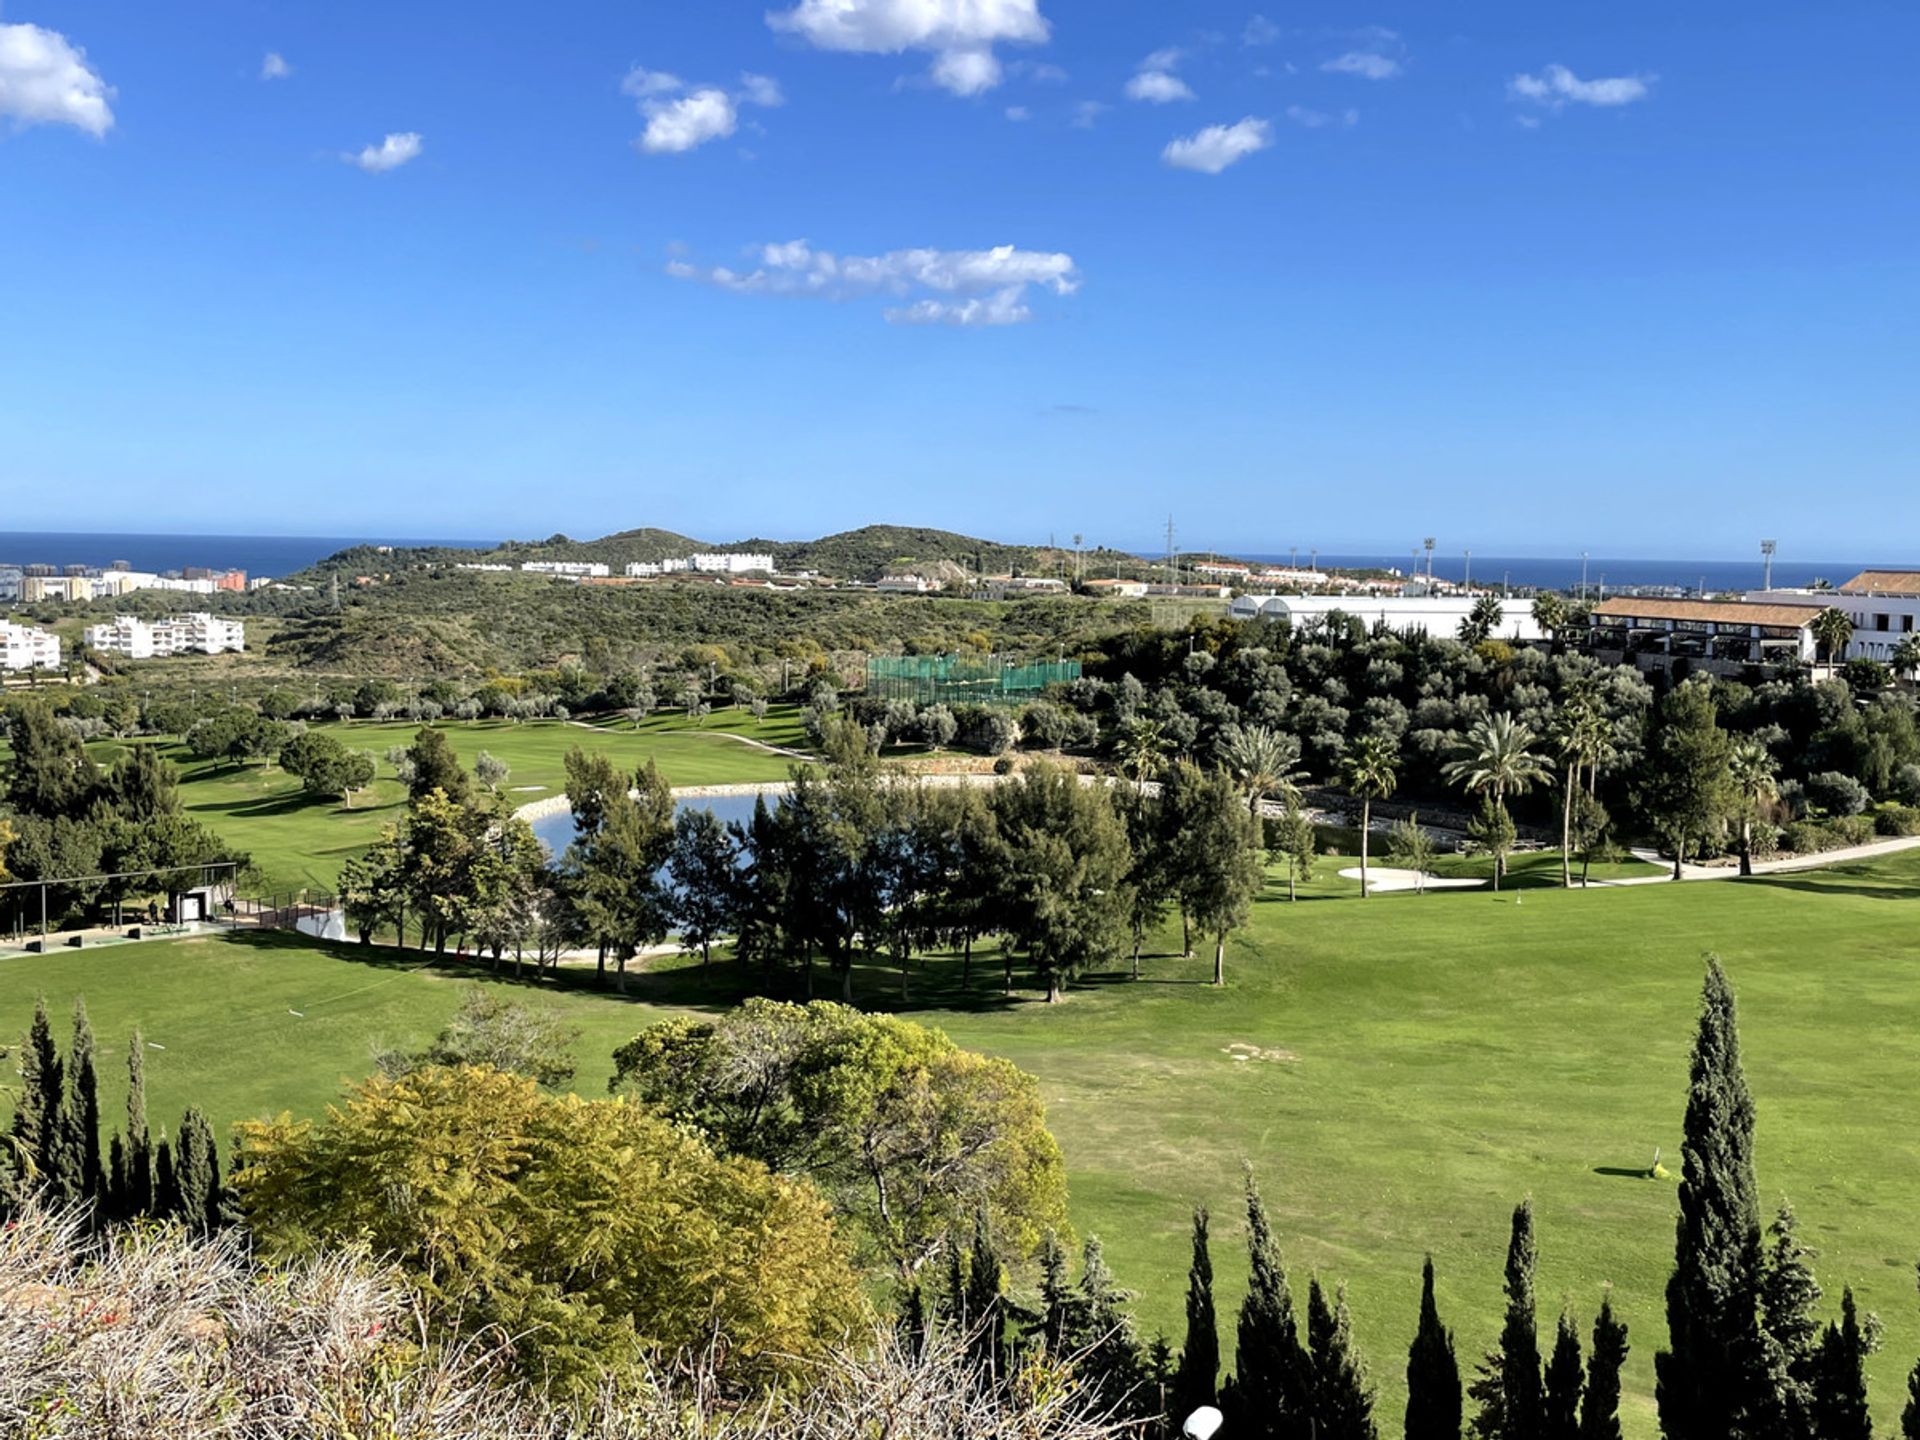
(556, 831)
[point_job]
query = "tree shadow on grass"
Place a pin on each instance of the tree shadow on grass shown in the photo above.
(1837, 882)
(1620, 1172)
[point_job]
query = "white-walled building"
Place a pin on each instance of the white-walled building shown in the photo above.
(1884, 606)
(28, 647)
(906, 585)
(1438, 615)
(569, 569)
(717, 564)
(193, 634)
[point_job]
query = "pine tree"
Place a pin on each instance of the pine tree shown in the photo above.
(1272, 1372)
(1196, 1380)
(1433, 1373)
(1600, 1411)
(1111, 1361)
(1712, 1381)
(1522, 1401)
(1840, 1393)
(1057, 1299)
(139, 1198)
(85, 1177)
(36, 1116)
(1789, 1302)
(197, 1173)
(1563, 1383)
(1341, 1404)
(986, 1308)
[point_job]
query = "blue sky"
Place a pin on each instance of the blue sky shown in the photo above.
(1635, 278)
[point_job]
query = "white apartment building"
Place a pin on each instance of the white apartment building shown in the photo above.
(1438, 615)
(28, 647)
(10, 578)
(193, 634)
(570, 569)
(906, 585)
(1884, 606)
(716, 564)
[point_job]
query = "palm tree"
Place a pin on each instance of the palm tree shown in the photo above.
(1142, 748)
(1371, 772)
(1496, 760)
(1583, 737)
(1482, 620)
(1906, 657)
(1263, 761)
(1550, 614)
(1832, 631)
(1751, 769)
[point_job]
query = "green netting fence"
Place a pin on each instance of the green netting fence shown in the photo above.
(963, 680)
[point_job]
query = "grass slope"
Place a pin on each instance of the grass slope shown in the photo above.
(1433, 1059)
(296, 840)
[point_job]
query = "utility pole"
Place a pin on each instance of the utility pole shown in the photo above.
(1076, 557)
(1467, 582)
(1766, 557)
(1583, 575)
(1428, 542)
(1173, 567)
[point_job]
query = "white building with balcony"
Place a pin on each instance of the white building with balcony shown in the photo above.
(566, 569)
(194, 634)
(718, 564)
(1437, 615)
(1884, 606)
(28, 647)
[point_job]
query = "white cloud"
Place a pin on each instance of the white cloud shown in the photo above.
(1556, 86)
(937, 287)
(1364, 63)
(1319, 119)
(1158, 87)
(642, 83)
(960, 33)
(275, 66)
(45, 80)
(965, 72)
(1167, 59)
(1260, 31)
(1045, 74)
(692, 117)
(1019, 112)
(1087, 112)
(676, 126)
(761, 90)
(390, 154)
(1218, 146)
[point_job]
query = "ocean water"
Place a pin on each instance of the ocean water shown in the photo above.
(255, 554)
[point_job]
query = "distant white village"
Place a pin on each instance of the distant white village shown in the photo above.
(30, 647)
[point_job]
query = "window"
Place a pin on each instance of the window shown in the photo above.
(1906, 624)
(1882, 621)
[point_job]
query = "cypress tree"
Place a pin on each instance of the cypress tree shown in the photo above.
(953, 1304)
(139, 1199)
(166, 1186)
(1522, 1401)
(1600, 1411)
(80, 1118)
(1272, 1382)
(197, 1173)
(1196, 1380)
(1563, 1383)
(986, 1311)
(36, 1117)
(1840, 1394)
(117, 1183)
(913, 1320)
(1711, 1382)
(1789, 1300)
(1433, 1372)
(1341, 1402)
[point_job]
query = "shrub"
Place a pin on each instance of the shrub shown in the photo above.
(1906, 784)
(1891, 819)
(1837, 793)
(566, 1223)
(1003, 766)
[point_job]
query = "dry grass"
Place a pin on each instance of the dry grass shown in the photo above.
(149, 1333)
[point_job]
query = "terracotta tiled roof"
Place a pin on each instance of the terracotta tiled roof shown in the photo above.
(1883, 582)
(1719, 612)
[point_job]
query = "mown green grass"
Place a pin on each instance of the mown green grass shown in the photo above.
(1444, 1055)
(296, 840)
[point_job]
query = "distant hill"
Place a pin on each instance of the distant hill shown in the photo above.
(864, 554)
